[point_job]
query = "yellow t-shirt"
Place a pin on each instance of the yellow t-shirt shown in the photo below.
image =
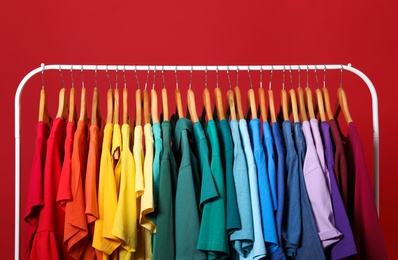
(125, 225)
(116, 147)
(103, 239)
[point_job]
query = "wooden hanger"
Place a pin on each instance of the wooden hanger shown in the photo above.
(321, 108)
(238, 98)
(165, 105)
(231, 104)
(271, 107)
(109, 104)
(43, 114)
(62, 105)
(219, 103)
(147, 115)
(125, 106)
(207, 104)
(95, 114)
(303, 112)
(342, 104)
(116, 106)
(192, 106)
(154, 106)
(138, 108)
(83, 106)
(178, 101)
(310, 105)
(328, 109)
(72, 106)
(293, 103)
(251, 108)
(262, 104)
(284, 103)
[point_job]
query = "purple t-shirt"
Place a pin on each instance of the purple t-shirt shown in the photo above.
(316, 181)
(346, 246)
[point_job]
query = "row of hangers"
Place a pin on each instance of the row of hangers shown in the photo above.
(299, 103)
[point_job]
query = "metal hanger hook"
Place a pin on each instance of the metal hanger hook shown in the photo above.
(316, 77)
(217, 76)
(116, 76)
(60, 75)
(147, 77)
(237, 76)
(154, 78)
(307, 77)
(190, 78)
(324, 76)
(124, 77)
(42, 75)
(229, 79)
(291, 77)
(71, 76)
(206, 77)
(298, 76)
(261, 76)
(136, 77)
(341, 76)
(109, 79)
(283, 78)
(250, 78)
(164, 81)
(175, 74)
(270, 78)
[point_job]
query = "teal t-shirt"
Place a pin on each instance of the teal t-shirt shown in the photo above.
(187, 213)
(213, 236)
(227, 159)
(157, 135)
(164, 247)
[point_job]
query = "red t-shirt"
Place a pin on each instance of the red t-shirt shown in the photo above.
(364, 219)
(64, 194)
(34, 201)
(47, 243)
(76, 236)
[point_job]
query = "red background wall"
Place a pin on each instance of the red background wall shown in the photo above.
(202, 32)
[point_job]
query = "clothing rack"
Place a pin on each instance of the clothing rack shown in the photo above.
(43, 67)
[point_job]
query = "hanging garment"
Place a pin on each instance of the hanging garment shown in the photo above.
(311, 247)
(187, 215)
(266, 204)
(259, 249)
(365, 222)
(280, 182)
(346, 246)
(64, 190)
(47, 243)
(213, 236)
(125, 224)
(165, 244)
(317, 184)
(243, 239)
(76, 236)
(34, 201)
(268, 146)
(291, 227)
(158, 151)
(227, 157)
(103, 239)
(340, 163)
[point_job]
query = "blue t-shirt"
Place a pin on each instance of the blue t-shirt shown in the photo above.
(259, 250)
(311, 247)
(242, 240)
(268, 145)
(267, 211)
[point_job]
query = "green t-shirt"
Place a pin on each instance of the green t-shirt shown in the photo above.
(213, 236)
(187, 213)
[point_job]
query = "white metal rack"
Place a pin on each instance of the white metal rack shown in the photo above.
(17, 105)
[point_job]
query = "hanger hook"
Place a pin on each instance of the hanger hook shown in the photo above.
(291, 77)
(237, 76)
(117, 71)
(324, 76)
(124, 77)
(250, 78)
(316, 78)
(270, 78)
(283, 77)
(341, 76)
(298, 76)
(206, 77)
(147, 76)
(175, 74)
(190, 77)
(261, 76)
(229, 79)
(71, 76)
(109, 79)
(164, 82)
(307, 77)
(60, 75)
(42, 75)
(217, 76)
(154, 78)
(136, 76)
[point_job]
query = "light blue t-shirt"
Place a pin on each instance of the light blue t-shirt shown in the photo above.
(259, 250)
(267, 211)
(242, 239)
(268, 145)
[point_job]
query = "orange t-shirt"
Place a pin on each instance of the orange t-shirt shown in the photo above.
(76, 236)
